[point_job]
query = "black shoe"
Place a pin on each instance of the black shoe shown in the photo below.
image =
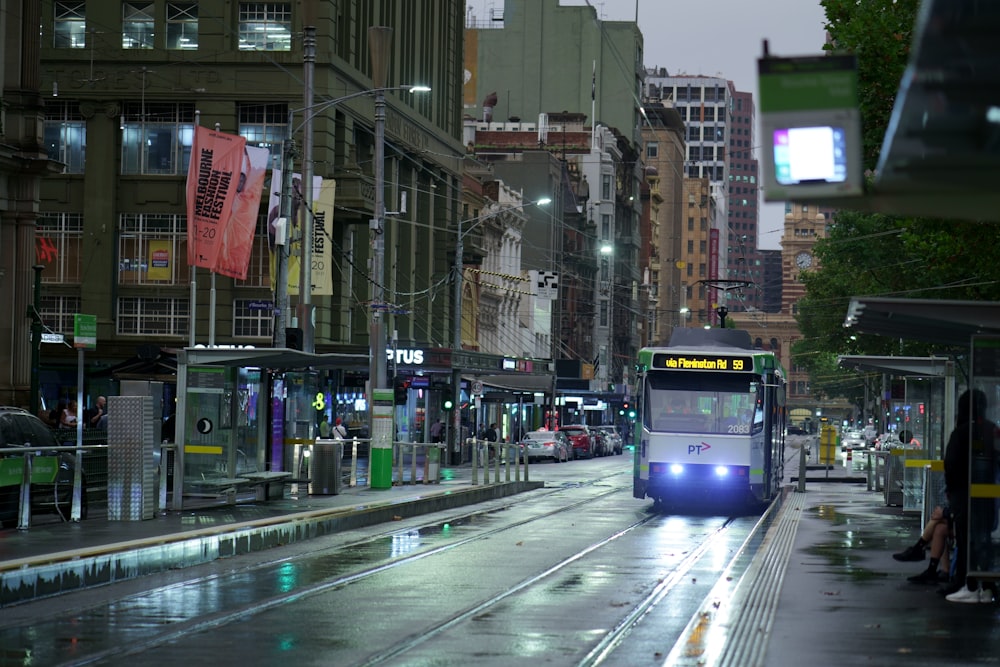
(911, 553)
(925, 577)
(953, 587)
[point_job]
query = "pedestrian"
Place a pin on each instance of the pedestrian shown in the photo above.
(339, 431)
(96, 413)
(437, 430)
(972, 438)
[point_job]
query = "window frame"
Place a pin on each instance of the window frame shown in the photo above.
(250, 15)
(179, 19)
(69, 24)
(138, 25)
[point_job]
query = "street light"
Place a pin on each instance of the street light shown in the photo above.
(310, 111)
(606, 253)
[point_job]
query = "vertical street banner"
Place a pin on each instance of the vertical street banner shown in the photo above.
(322, 251)
(233, 258)
(293, 228)
(213, 178)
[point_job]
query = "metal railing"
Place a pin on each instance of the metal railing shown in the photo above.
(501, 453)
(28, 456)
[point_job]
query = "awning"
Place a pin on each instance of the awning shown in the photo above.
(930, 320)
(532, 383)
(267, 357)
(913, 366)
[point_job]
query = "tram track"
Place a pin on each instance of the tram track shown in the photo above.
(178, 629)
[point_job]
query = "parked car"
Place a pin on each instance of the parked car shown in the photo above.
(613, 438)
(553, 445)
(583, 441)
(20, 428)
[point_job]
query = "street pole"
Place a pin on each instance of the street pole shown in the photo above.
(381, 424)
(36, 339)
(456, 348)
(281, 241)
(305, 260)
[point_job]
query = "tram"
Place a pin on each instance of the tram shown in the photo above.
(711, 421)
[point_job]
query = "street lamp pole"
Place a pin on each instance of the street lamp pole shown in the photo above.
(306, 226)
(379, 43)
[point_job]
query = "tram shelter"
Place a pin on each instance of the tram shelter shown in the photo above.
(240, 413)
(974, 326)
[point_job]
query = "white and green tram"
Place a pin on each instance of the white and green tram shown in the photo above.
(711, 421)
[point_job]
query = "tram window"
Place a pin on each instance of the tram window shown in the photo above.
(693, 403)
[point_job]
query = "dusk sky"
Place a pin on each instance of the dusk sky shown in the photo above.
(722, 38)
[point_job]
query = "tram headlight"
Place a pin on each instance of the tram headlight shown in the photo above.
(721, 471)
(676, 469)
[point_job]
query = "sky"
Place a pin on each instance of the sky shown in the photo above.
(719, 38)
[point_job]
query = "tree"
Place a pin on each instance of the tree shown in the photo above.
(878, 33)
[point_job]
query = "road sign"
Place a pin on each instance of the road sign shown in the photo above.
(84, 331)
(53, 338)
(477, 387)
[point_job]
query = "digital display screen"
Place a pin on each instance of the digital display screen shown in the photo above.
(702, 362)
(810, 155)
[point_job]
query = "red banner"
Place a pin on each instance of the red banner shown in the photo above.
(237, 237)
(213, 178)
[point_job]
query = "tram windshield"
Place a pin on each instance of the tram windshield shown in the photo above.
(724, 403)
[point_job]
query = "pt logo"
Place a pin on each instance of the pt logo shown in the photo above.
(698, 449)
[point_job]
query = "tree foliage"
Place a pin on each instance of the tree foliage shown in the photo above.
(878, 33)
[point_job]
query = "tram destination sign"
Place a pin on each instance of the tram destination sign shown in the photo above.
(702, 362)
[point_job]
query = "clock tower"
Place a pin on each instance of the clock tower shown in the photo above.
(803, 225)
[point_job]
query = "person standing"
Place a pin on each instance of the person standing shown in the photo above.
(95, 414)
(339, 431)
(437, 430)
(969, 449)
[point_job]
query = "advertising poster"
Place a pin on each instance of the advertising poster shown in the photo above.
(294, 228)
(159, 263)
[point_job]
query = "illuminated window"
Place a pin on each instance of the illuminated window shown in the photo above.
(265, 26)
(65, 135)
(157, 138)
(70, 25)
(137, 25)
(182, 25)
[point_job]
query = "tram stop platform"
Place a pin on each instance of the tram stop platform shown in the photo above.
(823, 589)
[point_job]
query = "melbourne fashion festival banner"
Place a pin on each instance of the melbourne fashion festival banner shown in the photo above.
(233, 258)
(219, 175)
(323, 194)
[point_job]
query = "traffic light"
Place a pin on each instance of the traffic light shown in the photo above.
(447, 404)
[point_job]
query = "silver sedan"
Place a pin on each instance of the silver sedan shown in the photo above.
(547, 445)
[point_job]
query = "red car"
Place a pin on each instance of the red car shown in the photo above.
(581, 438)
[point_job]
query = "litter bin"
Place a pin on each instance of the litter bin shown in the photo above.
(325, 473)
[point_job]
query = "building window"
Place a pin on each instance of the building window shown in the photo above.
(152, 249)
(157, 138)
(690, 246)
(265, 26)
(182, 25)
(252, 318)
(259, 270)
(59, 247)
(153, 316)
(266, 126)
(69, 25)
(694, 132)
(694, 153)
(604, 314)
(65, 135)
(137, 25)
(606, 187)
(652, 150)
(605, 227)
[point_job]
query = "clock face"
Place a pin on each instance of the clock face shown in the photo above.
(803, 260)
